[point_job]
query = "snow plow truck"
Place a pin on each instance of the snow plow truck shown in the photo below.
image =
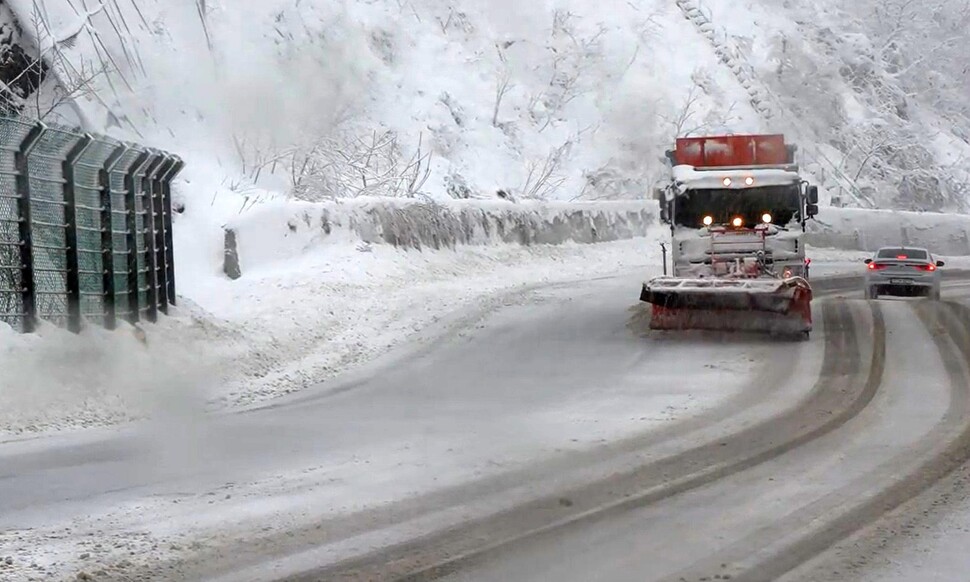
(737, 209)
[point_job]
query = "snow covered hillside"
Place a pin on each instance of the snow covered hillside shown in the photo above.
(881, 85)
(558, 99)
(460, 98)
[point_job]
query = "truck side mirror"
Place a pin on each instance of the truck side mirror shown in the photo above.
(665, 201)
(811, 209)
(813, 195)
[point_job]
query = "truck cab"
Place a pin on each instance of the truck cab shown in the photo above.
(736, 206)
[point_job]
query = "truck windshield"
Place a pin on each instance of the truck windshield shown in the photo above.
(782, 202)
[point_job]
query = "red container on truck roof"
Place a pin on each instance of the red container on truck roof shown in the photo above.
(732, 150)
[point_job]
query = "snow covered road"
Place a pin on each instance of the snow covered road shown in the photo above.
(903, 427)
(756, 502)
(548, 380)
(556, 438)
(743, 526)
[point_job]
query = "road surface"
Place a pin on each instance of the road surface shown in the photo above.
(556, 439)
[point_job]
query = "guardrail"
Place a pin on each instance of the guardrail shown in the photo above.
(85, 228)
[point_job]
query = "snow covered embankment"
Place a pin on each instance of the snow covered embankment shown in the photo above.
(319, 294)
(285, 231)
(853, 229)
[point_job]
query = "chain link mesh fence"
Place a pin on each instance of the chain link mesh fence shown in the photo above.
(12, 134)
(85, 228)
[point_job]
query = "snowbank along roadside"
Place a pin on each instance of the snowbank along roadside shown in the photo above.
(327, 285)
(307, 307)
(280, 232)
(854, 229)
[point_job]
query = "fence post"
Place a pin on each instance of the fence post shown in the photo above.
(167, 210)
(70, 214)
(151, 254)
(158, 213)
(107, 237)
(132, 187)
(26, 238)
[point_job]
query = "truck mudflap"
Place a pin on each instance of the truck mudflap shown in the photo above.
(761, 304)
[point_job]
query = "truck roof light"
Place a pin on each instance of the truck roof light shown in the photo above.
(708, 220)
(737, 221)
(726, 182)
(749, 180)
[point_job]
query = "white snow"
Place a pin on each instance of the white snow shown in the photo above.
(690, 177)
(937, 553)
(335, 456)
(867, 230)
(283, 326)
(250, 91)
(607, 86)
(311, 305)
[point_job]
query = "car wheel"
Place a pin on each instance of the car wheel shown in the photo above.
(871, 293)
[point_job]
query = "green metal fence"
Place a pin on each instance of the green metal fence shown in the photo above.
(85, 228)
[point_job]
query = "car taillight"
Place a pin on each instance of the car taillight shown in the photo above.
(877, 266)
(928, 267)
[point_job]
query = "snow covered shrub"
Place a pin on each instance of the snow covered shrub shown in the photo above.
(612, 183)
(21, 70)
(572, 55)
(349, 166)
(457, 187)
(544, 177)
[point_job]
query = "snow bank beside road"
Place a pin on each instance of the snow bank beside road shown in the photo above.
(867, 230)
(281, 327)
(316, 297)
(282, 230)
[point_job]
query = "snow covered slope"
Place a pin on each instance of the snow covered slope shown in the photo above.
(881, 85)
(583, 97)
(556, 99)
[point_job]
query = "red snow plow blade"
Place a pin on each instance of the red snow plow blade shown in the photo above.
(762, 304)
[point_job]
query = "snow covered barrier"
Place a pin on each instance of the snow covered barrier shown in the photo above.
(866, 230)
(279, 230)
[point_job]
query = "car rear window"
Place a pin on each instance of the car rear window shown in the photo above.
(901, 253)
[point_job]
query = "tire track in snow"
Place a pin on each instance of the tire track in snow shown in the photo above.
(767, 555)
(545, 477)
(844, 388)
(867, 527)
